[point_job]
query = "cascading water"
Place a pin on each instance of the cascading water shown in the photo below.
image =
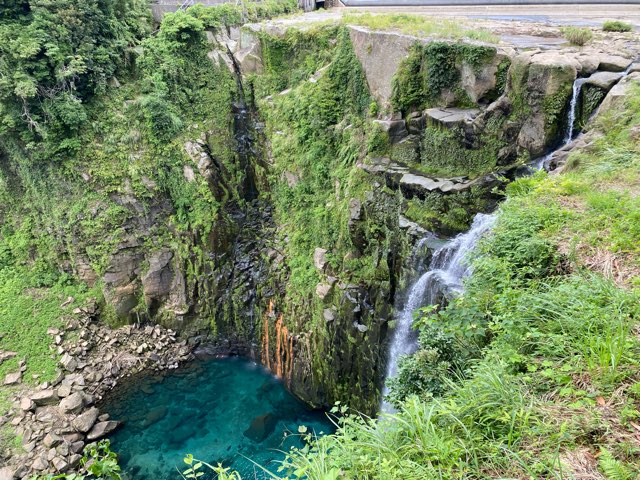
(449, 264)
(445, 274)
(571, 117)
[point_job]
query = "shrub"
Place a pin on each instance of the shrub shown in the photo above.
(616, 26)
(577, 36)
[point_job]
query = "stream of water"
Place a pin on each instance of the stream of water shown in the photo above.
(450, 263)
(225, 410)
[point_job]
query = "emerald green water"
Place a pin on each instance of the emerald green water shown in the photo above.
(207, 409)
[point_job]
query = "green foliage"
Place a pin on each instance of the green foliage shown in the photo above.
(444, 153)
(57, 55)
(577, 35)
(98, 463)
(616, 26)
(431, 68)
(419, 25)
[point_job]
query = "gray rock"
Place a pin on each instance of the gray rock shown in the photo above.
(27, 404)
(73, 403)
(329, 314)
(45, 397)
(64, 390)
(69, 363)
(6, 473)
(83, 423)
(449, 117)
(361, 328)
(613, 63)
(77, 447)
(13, 378)
(323, 290)
(396, 129)
(102, 429)
(604, 80)
(74, 460)
(51, 440)
(319, 258)
(40, 464)
(60, 464)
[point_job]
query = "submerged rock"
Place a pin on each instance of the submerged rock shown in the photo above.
(261, 427)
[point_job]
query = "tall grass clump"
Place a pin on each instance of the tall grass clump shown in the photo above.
(616, 26)
(577, 36)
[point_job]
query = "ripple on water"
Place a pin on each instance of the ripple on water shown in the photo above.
(219, 410)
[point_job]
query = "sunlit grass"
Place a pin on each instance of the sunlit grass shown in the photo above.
(420, 26)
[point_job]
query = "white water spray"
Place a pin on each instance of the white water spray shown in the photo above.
(449, 266)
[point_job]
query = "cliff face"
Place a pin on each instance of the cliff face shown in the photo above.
(276, 223)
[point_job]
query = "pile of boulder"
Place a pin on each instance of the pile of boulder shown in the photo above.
(59, 418)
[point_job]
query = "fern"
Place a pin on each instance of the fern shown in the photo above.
(612, 468)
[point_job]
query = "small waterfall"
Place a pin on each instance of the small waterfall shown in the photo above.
(445, 274)
(571, 117)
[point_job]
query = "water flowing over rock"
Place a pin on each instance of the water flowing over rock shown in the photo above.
(447, 269)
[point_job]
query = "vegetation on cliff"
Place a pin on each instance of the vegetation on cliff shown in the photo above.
(533, 371)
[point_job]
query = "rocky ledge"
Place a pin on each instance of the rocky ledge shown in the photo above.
(56, 420)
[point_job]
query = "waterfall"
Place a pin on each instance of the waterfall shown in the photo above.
(447, 269)
(571, 117)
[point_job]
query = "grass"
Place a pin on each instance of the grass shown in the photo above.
(616, 26)
(420, 26)
(577, 36)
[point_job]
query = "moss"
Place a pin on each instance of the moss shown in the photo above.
(444, 153)
(431, 68)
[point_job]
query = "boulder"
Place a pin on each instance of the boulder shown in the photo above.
(60, 464)
(102, 429)
(613, 63)
(40, 464)
(396, 129)
(603, 80)
(261, 427)
(51, 440)
(13, 378)
(155, 415)
(450, 117)
(84, 422)
(6, 473)
(329, 314)
(27, 404)
(319, 258)
(45, 397)
(6, 355)
(64, 390)
(74, 460)
(158, 280)
(69, 363)
(73, 403)
(323, 290)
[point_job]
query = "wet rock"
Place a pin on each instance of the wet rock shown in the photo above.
(155, 415)
(102, 429)
(45, 397)
(73, 403)
(85, 421)
(261, 427)
(13, 378)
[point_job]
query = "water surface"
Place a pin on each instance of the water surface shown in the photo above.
(219, 410)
